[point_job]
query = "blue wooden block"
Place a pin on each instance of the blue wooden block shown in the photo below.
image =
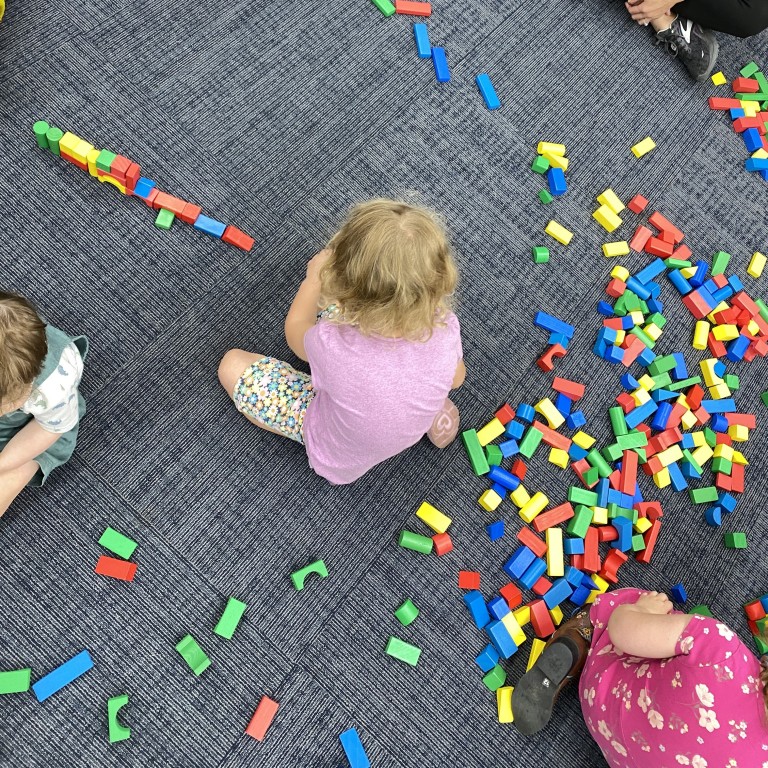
(209, 226)
(676, 477)
(576, 420)
(719, 368)
(563, 404)
(580, 595)
(573, 575)
(719, 423)
(690, 472)
(442, 72)
(486, 89)
(575, 452)
(624, 527)
(688, 441)
(700, 276)
(726, 501)
(735, 112)
(509, 448)
(498, 608)
(477, 607)
(501, 639)
(726, 405)
(680, 371)
(661, 417)
(654, 289)
(752, 139)
(487, 659)
(680, 282)
(503, 477)
(641, 413)
(515, 430)
(605, 309)
(756, 164)
(353, 749)
(737, 348)
(143, 187)
(634, 285)
(659, 395)
(559, 338)
(628, 381)
(423, 48)
(614, 354)
(518, 562)
(573, 546)
(550, 323)
(603, 491)
(54, 681)
(560, 591)
(655, 268)
(654, 305)
(535, 571)
(679, 595)
(556, 180)
(495, 530)
(735, 283)
(526, 413)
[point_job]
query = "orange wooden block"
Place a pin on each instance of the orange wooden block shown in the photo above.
(189, 213)
(443, 544)
(262, 718)
(234, 236)
(116, 569)
(412, 8)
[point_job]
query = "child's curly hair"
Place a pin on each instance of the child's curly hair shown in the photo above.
(23, 346)
(391, 271)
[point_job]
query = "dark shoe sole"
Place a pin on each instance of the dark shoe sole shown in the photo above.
(534, 696)
(715, 51)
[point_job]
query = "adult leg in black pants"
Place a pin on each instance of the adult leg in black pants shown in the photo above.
(684, 27)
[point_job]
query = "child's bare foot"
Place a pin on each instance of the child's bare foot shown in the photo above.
(445, 427)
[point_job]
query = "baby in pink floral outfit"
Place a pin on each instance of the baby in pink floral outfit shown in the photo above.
(700, 703)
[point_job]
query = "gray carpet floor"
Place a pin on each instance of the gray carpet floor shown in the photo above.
(276, 117)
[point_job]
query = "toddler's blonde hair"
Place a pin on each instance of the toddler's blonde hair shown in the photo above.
(391, 270)
(23, 347)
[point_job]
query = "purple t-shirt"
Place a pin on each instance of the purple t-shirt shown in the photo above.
(374, 396)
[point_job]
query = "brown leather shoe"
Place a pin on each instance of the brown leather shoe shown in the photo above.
(561, 661)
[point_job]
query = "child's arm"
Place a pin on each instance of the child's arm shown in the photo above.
(27, 444)
(303, 312)
(647, 628)
(460, 375)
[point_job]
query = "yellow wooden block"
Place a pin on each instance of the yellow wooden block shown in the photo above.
(719, 391)
(522, 615)
(583, 440)
(607, 219)
(702, 454)
(493, 429)
(504, 704)
(434, 518)
(610, 199)
(688, 272)
(514, 628)
(82, 150)
(643, 147)
(113, 182)
(708, 372)
(738, 433)
(643, 524)
(756, 265)
(551, 147)
(602, 587)
(620, 273)
(489, 500)
(620, 248)
(68, 142)
(682, 400)
(557, 161)
(670, 455)
(760, 154)
(719, 79)
(599, 515)
(653, 331)
(559, 458)
(546, 408)
(699, 439)
(646, 382)
(537, 504)
(559, 232)
(620, 336)
(537, 646)
(751, 108)
(91, 160)
(753, 328)
(723, 451)
(555, 564)
(700, 334)
(739, 458)
(726, 332)
(641, 396)
(688, 420)
(557, 615)
(662, 478)
(520, 496)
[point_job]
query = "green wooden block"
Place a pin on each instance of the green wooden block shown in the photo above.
(735, 540)
(721, 464)
(662, 364)
(612, 452)
(53, 137)
(416, 542)
(657, 319)
(385, 6)
(475, 452)
(720, 262)
(644, 337)
(164, 219)
(495, 678)
(117, 732)
(749, 69)
(689, 458)
(671, 263)
(530, 442)
(684, 384)
(591, 476)
(229, 620)
(540, 254)
(762, 645)
(579, 524)
(40, 129)
(661, 381)
(540, 164)
(403, 651)
(406, 614)
(763, 96)
(618, 423)
(638, 542)
(317, 567)
(193, 654)
(632, 440)
(583, 496)
(595, 458)
(116, 542)
(701, 610)
(710, 437)
(642, 454)
(732, 381)
(763, 309)
(494, 455)
(15, 680)
(545, 196)
(764, 398)
(703, 495)
(104, 160)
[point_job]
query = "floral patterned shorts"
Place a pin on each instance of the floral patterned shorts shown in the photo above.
(276, 394)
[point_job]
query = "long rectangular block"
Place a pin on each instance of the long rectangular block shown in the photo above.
(116, 542)
(487, 91)
(353, 749)
(442, 73)
(61, 676)
(423, 46)
(262, 718)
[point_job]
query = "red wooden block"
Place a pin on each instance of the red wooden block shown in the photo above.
(696, 305)
(116, 569)
(577, 561)
(717, 102)
(702, 415)
(723, 439)
(150, 198)
(541, 621)
(580, 467)
(652, 466)
(173, 204)
(74, 161)
(650, 538)
(615, 287)
(640, 238)
(633, 348)
(505, 414)
(625, 401)
(537, 545)
(716, 348)
(542, 586)
(740, 124)
(613, 479)
(234, 236)
(650, 509)
(571, 389)
(667, 237)
(190, 213)
(743, 301)
(414, 9)
(617, 323)
(637, 204)
(665, 225)
(119, 167)
(694, 396)
(591, 552)
(754, 611)
(745, 85)
(659, 247)
(443, 544)
(723, 482)
(554, 516)
(741, 419)
(682, 252)
(737, 478)
(512, 595)
(551, 438)
(132, 176)
(469, 580)
(546, 361)
(629, 464)
(607, 533)
(262, 718)
(613, 561)
(519, 469)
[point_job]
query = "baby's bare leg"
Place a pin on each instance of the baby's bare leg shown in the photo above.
(13, 482)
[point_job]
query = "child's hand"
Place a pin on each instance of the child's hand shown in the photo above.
(654, 602)
(316, 263)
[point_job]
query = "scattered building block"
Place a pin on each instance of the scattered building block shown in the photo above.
(15, 680)
(262, 718)
(115, 569)
(643, 147)
(442, 73)
(406, 613)
(319, 568)
(487, 91)
(403, 651)
(229, 620)
(193, 654)
(116, 542)
(117, 732)
(61, 676)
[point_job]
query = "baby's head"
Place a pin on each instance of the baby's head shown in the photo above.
(391, 270)
(23, 348)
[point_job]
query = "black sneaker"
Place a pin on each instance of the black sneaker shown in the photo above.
(697, 48)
